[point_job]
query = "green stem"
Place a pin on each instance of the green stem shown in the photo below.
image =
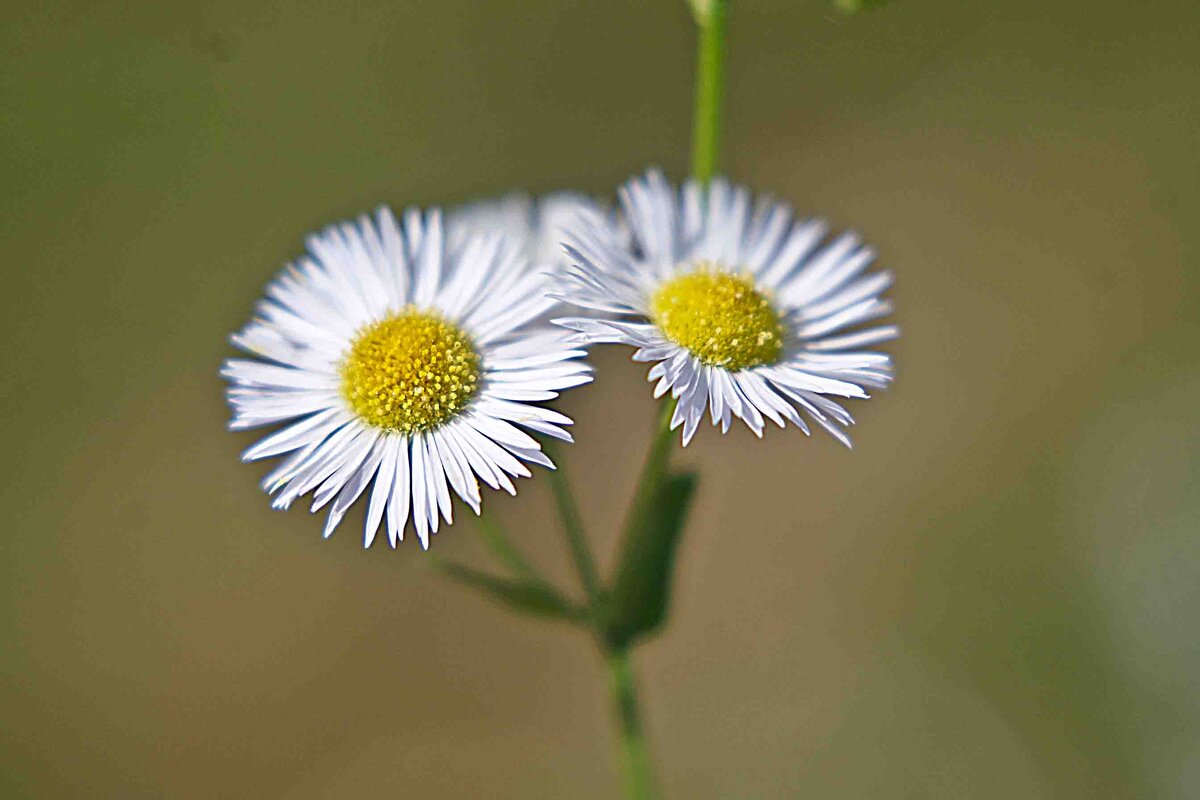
(710, 87)
(635, 757)
(572, 524)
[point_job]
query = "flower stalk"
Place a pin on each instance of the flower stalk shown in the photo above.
(710, 18)
(635, 757)
(572, 524)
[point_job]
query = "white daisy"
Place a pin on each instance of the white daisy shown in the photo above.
(395, 359)
(744, 311)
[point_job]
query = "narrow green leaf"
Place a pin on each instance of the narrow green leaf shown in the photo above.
(641, 591)
(527, 596)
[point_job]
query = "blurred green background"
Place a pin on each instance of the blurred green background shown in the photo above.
(994, 595)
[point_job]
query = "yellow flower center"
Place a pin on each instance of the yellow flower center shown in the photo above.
(410, 372)
(720, 318)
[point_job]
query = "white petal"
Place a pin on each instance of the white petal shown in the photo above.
(382, 490)
(296, 435)
(400, 500)
(458, 468)
(437, 470)
(420, 478)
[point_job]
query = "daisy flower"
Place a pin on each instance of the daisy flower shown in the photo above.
(404, 364)
(744, 310)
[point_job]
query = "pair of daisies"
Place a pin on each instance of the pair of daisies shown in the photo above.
(411, 355)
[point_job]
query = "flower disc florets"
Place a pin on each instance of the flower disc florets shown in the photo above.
(720, 318)
(410, 372)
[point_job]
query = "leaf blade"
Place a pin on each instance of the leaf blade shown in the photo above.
(640, 597)
(531, 597)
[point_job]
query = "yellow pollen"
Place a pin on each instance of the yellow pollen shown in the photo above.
(410, 372)
(720, 318)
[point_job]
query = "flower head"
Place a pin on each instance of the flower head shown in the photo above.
(404, 364)
(742, 308)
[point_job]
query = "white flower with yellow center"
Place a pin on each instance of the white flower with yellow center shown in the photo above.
(403, 364)
(745, 312)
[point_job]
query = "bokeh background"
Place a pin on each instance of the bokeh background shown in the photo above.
(994, 595)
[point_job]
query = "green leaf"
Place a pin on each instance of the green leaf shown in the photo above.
(854, 6)
(641, 591)
(527, 596)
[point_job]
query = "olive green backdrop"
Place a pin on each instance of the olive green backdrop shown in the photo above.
(993, 596)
